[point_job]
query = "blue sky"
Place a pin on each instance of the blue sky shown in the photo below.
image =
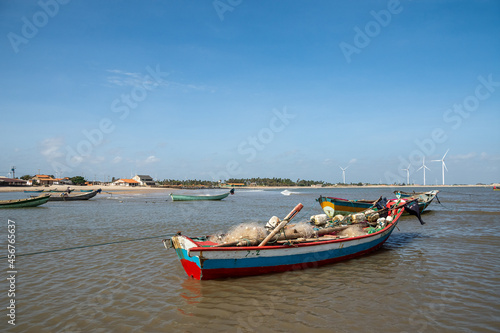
(240, 89)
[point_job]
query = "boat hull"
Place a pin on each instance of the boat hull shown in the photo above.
(181, 197)
(23, 203)
(202, 261)
(85, 196)
(333, 206)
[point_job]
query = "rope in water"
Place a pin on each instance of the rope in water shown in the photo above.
(91, 245)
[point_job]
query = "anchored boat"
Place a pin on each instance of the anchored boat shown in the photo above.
(284, 249)
(332, 206)
(69, 197)
(22, 203)
(185, 197)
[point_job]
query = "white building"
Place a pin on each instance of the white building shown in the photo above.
(144, 180)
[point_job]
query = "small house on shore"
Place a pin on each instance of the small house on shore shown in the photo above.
(144, 180)
(126, 182)
(43, 180)
(4, 181)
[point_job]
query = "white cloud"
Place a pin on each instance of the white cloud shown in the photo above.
(354, 160)
(464, 156)
(151, 159)
(117, 159)
(50, 148)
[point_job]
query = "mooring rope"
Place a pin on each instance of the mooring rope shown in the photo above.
(91, 245)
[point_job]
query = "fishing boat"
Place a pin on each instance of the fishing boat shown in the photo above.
(69, 197)
(33, 191)
(185, 197)
(424, 198)
(332, 206)
(22, 203)
(204, 259)
(496, 188)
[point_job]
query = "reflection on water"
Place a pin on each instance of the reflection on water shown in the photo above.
(442, 276)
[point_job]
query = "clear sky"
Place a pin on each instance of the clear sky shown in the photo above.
(235, 88)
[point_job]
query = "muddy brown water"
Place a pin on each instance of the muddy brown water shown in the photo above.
(440, 277)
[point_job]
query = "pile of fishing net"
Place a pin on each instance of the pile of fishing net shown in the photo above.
(255, 231)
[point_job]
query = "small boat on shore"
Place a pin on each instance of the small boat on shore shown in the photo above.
(23, 203)
(33, 191)
(333, 206)
(69, 197)
(185, 197)
(285, 248)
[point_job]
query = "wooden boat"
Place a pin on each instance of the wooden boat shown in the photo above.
(496, 188)
(333, 206)
(424, 198)
(203, 259)
(22, 203)
(33, 191)
(68, 197)
(184, 197)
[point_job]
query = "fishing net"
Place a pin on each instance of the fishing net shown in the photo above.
(352, 231)
(251, 230)
(304, 229)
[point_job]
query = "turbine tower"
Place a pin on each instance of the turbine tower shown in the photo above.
(407, 174)
(443, 165)
(424, 167)
(343, 173)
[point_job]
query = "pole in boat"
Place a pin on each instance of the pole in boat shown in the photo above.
(290, 216)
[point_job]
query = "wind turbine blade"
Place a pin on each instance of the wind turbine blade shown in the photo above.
(444, 165)
(346, 167)
(445, 154)
(436, 161)
(426, 167)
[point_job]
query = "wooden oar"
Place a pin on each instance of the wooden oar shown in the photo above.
(290, 216)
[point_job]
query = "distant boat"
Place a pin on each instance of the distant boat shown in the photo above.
(34, 191)
(496, 188)
(340, 206)
(184, 197)
(86, 190)
(68, 197)
(22, 203)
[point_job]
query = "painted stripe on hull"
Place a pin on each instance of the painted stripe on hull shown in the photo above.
(209, 274)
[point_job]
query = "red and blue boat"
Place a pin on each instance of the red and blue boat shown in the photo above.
(203, 259)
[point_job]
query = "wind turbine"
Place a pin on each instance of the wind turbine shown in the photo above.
(443, 165)
(343, 172)
(424, 167)
(407, 174)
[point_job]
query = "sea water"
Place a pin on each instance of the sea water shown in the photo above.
(440, 277)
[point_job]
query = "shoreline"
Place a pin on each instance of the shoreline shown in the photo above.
(147, 189)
